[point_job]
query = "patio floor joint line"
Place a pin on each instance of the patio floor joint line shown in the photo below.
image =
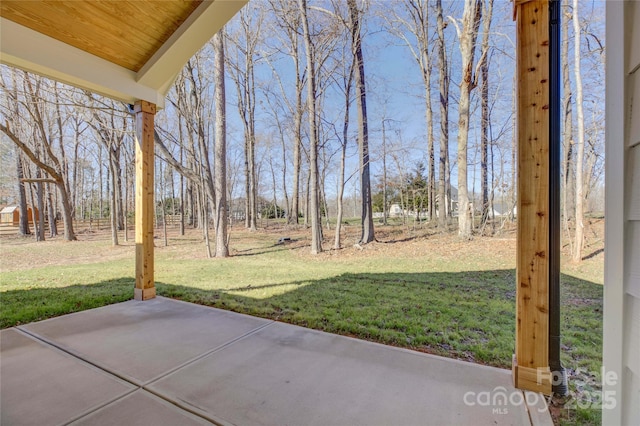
(205, 354)
(98, 406)
(76, 355)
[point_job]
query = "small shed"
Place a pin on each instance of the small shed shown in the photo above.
(11, 215)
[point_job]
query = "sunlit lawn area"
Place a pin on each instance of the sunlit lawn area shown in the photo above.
(416, 289)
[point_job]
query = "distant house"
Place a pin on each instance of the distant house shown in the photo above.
(504, 209)
(451, 205)
(395, 210)
(11, 215)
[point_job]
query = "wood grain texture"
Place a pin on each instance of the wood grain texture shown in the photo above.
(532, 286)
(145, 285)
(126, 33)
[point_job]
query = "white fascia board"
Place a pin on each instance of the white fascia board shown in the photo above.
(32, 51)
(208, 18)
(613, 316)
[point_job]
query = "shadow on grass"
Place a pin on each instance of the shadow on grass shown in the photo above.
(263, 250)
(467, 315)
(400, 240)
(594, 254)
(35, 304)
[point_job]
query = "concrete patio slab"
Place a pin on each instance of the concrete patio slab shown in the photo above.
(41, 385)
(190, 364)
(140, 341)
(140, 409)
(285, 374)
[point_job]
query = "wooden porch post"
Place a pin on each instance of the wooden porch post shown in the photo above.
(531, 360)
(145, 286)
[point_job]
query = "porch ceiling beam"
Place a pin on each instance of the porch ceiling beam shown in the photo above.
(531, 361)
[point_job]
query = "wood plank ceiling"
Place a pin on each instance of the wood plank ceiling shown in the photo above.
(126, 33)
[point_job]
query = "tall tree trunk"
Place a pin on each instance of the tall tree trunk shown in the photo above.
(384, 175)
(113, 204)
(33, 208)
(431, 185)
(51, 211)
(484, 100)
(243, 73)
(368, 234)
(314, 201)
(182, 196)
(125, 205)
(470, 24)
(40, 203)
(284, 172)
(343, 155)
(69, 234)
(443, 81)
(425, 64)
(117, 187)
(23, 224)
(76, 166)
(579, 235)
(514, 151)
(297, 143)
(220, 150)
(67, 216)
(340, 196)
(567, 143)
(204, 211)
(100, 185)
(253, 185)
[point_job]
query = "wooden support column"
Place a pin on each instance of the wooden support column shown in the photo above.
(145, 285)
(531, 360)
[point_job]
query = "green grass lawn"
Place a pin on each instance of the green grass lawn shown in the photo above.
(442, 297)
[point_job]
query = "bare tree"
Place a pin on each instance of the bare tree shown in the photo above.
(314, 201)
(579, 235)
(368, 234)
(443, 84)
(288, 18)
(343, 155)
(40, 147)
(484, 99)
(567, 143)
(23, 224)
(418, 26)
(110, 129)
(242, 71)
(467, 36)
(220, 151)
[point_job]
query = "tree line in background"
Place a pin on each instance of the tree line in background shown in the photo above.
(316, 119)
